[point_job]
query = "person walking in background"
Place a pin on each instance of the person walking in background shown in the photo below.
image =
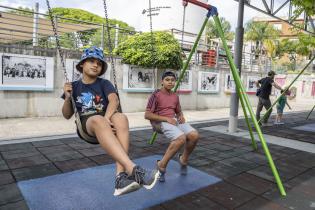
(280, 107)
(264, 86)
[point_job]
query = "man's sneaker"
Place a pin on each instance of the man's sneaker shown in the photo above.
(183, 168)
(146, 178)
(161, 176)
(123, 184)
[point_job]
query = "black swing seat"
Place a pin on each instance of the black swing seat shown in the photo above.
(81, 133)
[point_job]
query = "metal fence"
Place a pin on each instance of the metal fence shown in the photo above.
(27, 28)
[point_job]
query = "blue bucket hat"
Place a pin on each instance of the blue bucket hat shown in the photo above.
(92, 52)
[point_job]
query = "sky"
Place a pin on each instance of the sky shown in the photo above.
(128, 10)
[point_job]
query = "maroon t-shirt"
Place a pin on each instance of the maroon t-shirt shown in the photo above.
(164, 104)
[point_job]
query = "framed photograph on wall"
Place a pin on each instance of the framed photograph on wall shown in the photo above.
(251, 87)
(229, 84)
(186, 83)
(25, 72)
(74, 74)
(137, 79)
(208, 82)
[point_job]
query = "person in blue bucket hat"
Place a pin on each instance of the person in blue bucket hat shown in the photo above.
(97, 102)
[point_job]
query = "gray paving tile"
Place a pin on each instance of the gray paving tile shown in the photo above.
(9, 193)
(251, 183)
(227, 195)
(92, 151)
(71, 165)
(27, 161)
(102, 159)
(222, 171)
(55, 149)
(65, 155)
(35, 172)
(20, 146)
(6, 178)
(47, 143)
(20, 205)
(261, 204)
(3, 165)
(12, 154)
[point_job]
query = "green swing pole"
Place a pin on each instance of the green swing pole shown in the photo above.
(246, 100)
(310, 113)
(287, 88)
(153, 137)
(241, 96)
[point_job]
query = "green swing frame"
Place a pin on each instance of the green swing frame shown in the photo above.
(246, 106)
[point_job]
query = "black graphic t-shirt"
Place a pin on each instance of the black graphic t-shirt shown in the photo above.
(265, 87)
(91, 98)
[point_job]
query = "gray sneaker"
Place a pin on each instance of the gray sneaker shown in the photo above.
(146, 178)
(124, 185)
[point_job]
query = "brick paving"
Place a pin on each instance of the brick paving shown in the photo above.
(247, 182)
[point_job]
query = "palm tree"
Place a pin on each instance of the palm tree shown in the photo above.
(212, 33)
(258, 32)
(270, 47)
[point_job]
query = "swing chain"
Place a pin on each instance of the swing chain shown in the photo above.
(111, 52)
(61, 55)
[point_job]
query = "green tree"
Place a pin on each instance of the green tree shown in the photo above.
(304, 5)
(258, 32)
(92, 36)
(270, 48)
(212, 32)
(163, 51)
(22, 11)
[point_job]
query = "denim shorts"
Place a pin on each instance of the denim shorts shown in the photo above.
(280, 110)
(172, 132)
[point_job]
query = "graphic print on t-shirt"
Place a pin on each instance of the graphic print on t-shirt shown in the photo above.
(90, 103)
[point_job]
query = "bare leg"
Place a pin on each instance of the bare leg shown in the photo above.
(280, 117)
(97, 126)
(174, 146)
(121, 125)
(191, 142)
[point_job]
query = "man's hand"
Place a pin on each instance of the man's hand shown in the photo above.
(67, 88)
(181, 119)
(171, 121)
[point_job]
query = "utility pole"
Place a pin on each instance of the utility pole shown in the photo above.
(35, 24)
(238, 51)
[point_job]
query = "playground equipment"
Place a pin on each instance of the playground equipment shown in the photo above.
(212, 11)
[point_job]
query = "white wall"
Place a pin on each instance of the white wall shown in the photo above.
(34, 104)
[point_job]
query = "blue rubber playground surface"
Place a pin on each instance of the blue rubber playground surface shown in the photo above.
(92, 188)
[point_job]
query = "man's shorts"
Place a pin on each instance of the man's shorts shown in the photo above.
(172, 132)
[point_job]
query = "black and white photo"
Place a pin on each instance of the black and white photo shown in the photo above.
(208, 82)
(23, 72)
(229, 86)
(250, 85)
(136, 79)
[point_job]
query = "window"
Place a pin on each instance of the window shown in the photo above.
(278, 26)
